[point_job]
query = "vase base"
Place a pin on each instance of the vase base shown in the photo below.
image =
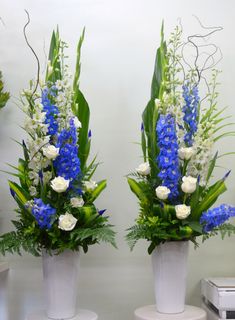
(82, 315)
(150, 313)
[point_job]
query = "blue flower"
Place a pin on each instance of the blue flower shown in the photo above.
(68, 136)
(67, 164)
(51, 112)
(43, 213)
(190, 110)
(167, 159)
(216, 216)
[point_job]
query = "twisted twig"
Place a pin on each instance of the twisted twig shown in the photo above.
(34, 53)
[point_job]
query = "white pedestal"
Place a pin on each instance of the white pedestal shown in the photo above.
(150, 313)
(82, 315)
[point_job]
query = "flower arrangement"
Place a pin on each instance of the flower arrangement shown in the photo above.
(4, 96)
(178, 133)
(56, 193)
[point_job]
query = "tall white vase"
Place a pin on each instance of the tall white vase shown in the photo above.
(60, 273)
(170, 271)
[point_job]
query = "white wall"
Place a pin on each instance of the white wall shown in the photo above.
(117, 64)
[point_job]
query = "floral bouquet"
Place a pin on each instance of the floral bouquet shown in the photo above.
(178, 134)
(55, 194)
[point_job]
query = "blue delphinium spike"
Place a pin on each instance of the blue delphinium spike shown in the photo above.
(167, 160)
(43, 213)
(190, 109)
(216, 216)
(51, 112)
(89, 134)
(142, 127)
(67, 164)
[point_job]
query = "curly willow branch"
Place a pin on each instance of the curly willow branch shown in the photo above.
(34, 53)
(191, 40)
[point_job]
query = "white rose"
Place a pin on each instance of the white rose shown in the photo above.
(182, 211)
(186, 153)
(59, 184)
(77, 202)
(76, 122)
(162, 192)
(67, 222)
(50, 152)
(189, 184)
(143, 169)
(90, 185)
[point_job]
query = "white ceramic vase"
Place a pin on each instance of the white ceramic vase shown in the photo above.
(60, 274)
(170, 271)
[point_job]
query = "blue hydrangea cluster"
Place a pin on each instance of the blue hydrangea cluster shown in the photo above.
(216, 216)
(67, 164)
(168, 161)
(43, 213)
(51, 111)
(190, 110)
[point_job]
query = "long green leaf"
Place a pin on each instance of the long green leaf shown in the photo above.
(96, 192)
(210, 198)
(211, 167)
(159, 68)
(78, 63)
(21, 194)
(136, 189)
(83, 113)
(149, 117)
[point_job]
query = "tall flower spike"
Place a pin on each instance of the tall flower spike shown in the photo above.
(43, 213)
(190, 110)
(51, 110)
(216, 216)
(167, 159)
(67, 164)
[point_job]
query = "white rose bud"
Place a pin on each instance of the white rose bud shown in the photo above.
(77, 202)
(189, 184)
(67, 222)
(90, 185)
(162, 192)
(186, 153)
(76, 122)
(50, 152)
(182, 211)
(143, 169)
(59, 184)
